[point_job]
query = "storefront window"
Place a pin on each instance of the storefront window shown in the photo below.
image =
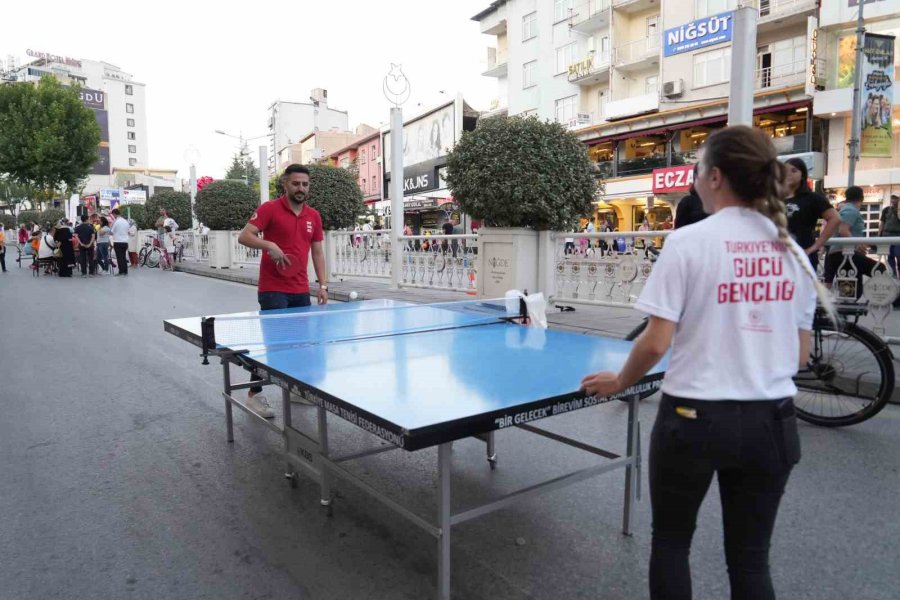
(605, 216)
(787, 129)
(655, 216)
(641, 155)
(603, 155)
(687, 142)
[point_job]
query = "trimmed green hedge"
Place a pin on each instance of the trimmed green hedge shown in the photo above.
(177, 203)
(335, 193)
(522, 172)
(139, 213)
(225, 205)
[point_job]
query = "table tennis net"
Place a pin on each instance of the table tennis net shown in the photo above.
(281, 329)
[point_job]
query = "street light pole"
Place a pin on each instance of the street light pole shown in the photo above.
(243, 152)
(855, 124)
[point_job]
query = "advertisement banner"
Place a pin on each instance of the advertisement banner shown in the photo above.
(673, 179)
(698, 34)
(877, 96)
(103, 121)
(134, 196)
(92, 98)
(109, 194)
(425, 139)
(101, 167)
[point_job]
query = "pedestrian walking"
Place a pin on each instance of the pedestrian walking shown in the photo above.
(889, 226)
(804, 209)
(103, 242)
(87, 241)
(736, 276)
(119, 232)
(2, 248)
(292, 230)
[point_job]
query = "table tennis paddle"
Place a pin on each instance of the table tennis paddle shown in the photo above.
(290, 266)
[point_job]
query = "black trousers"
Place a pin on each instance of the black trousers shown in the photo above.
(121, 249)
(86, 260)
(751, 447)
(3, 259)
(273, 301)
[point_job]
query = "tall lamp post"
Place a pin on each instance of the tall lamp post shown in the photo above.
(396, 89)
(192, 156)
(243, 151)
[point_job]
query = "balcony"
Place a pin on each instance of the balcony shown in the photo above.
(494, 22)
(633, 106)
(592, 70)
(638, 54)
(633, 6)
(497, 65)
(774, 14)
(781, 76)
(590, 16)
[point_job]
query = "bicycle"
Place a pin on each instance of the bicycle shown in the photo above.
(154, 255)
(849, 377)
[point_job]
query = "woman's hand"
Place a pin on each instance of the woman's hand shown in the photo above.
(604, 383)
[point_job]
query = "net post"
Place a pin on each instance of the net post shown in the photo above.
(207, 337)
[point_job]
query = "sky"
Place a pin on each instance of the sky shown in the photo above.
(211, 66)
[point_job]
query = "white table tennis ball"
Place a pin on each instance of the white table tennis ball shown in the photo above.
(353, 295)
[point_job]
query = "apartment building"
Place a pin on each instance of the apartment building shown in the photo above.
(644, 82)
(879, 176)
(290, 122)
(365, 153)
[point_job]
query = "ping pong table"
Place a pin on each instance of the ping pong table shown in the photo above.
(419, 376)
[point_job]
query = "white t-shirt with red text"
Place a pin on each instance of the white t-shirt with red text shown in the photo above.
(738, 295)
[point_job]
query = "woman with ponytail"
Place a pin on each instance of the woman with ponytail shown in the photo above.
(734, 296)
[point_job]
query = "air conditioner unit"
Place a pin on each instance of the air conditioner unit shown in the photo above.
(673, 89)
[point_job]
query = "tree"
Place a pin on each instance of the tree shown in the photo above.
(225, 205)
(13, 194)
(243, 168)
(177, 203)
(138, 212)
(48, 138)
(335, 193)
(521, 172)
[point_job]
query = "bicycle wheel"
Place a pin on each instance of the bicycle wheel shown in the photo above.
(142, 256)
(152, 258)
(849, 379)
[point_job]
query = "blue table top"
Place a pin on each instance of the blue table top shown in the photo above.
(424, 387)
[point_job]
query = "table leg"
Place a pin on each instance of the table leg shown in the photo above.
(289, 473)
(229, 418)
(444, 522)
(491, 450)
(325, 495)
(633, 470)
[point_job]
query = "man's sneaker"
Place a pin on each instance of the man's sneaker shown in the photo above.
(298, 399)
(260, 406)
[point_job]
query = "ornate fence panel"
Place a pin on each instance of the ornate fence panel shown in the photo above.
(444, 262)
(360, 253)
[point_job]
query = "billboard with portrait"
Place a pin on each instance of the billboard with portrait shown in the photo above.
(426, 138)
(877, 96)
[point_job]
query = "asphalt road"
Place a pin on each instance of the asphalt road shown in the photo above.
(116, 482)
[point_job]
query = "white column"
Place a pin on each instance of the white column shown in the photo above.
(743, 66)
(397, 217)
(263, 175)
(194, 223)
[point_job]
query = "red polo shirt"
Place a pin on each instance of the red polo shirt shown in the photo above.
(294, 234)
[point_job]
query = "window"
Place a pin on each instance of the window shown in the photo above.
(565, 108)
(704, 8)
(600, 47)
(712, 67)
(132, 149)
(651, 85)
(565, 56)
(345, 163)
(363, 159)
(789, 56)
(132, 162)
(529, 70)
(129, 90)
(129, 122)
(561, 9)
(529, 26)
(364, 184)
(129, 108)
(374, 154)
(653, 31)
(131, 135)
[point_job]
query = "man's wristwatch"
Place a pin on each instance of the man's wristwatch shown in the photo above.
(323, 287)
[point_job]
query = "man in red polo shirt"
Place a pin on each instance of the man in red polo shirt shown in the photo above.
(290, 229)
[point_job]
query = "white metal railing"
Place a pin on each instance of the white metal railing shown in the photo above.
(606, 269)
(588, 10)
(241, 254)
(781, 8)
(196, 245)
(781, 75)
(637, 50)
(445, 262)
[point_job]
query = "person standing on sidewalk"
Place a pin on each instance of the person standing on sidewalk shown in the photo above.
(804, 208)
(890, 226)
(63, 237)
(119, 233)
(2, 248)
(87, 240)
(736, 276)
(103, 246)
(291, 230)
